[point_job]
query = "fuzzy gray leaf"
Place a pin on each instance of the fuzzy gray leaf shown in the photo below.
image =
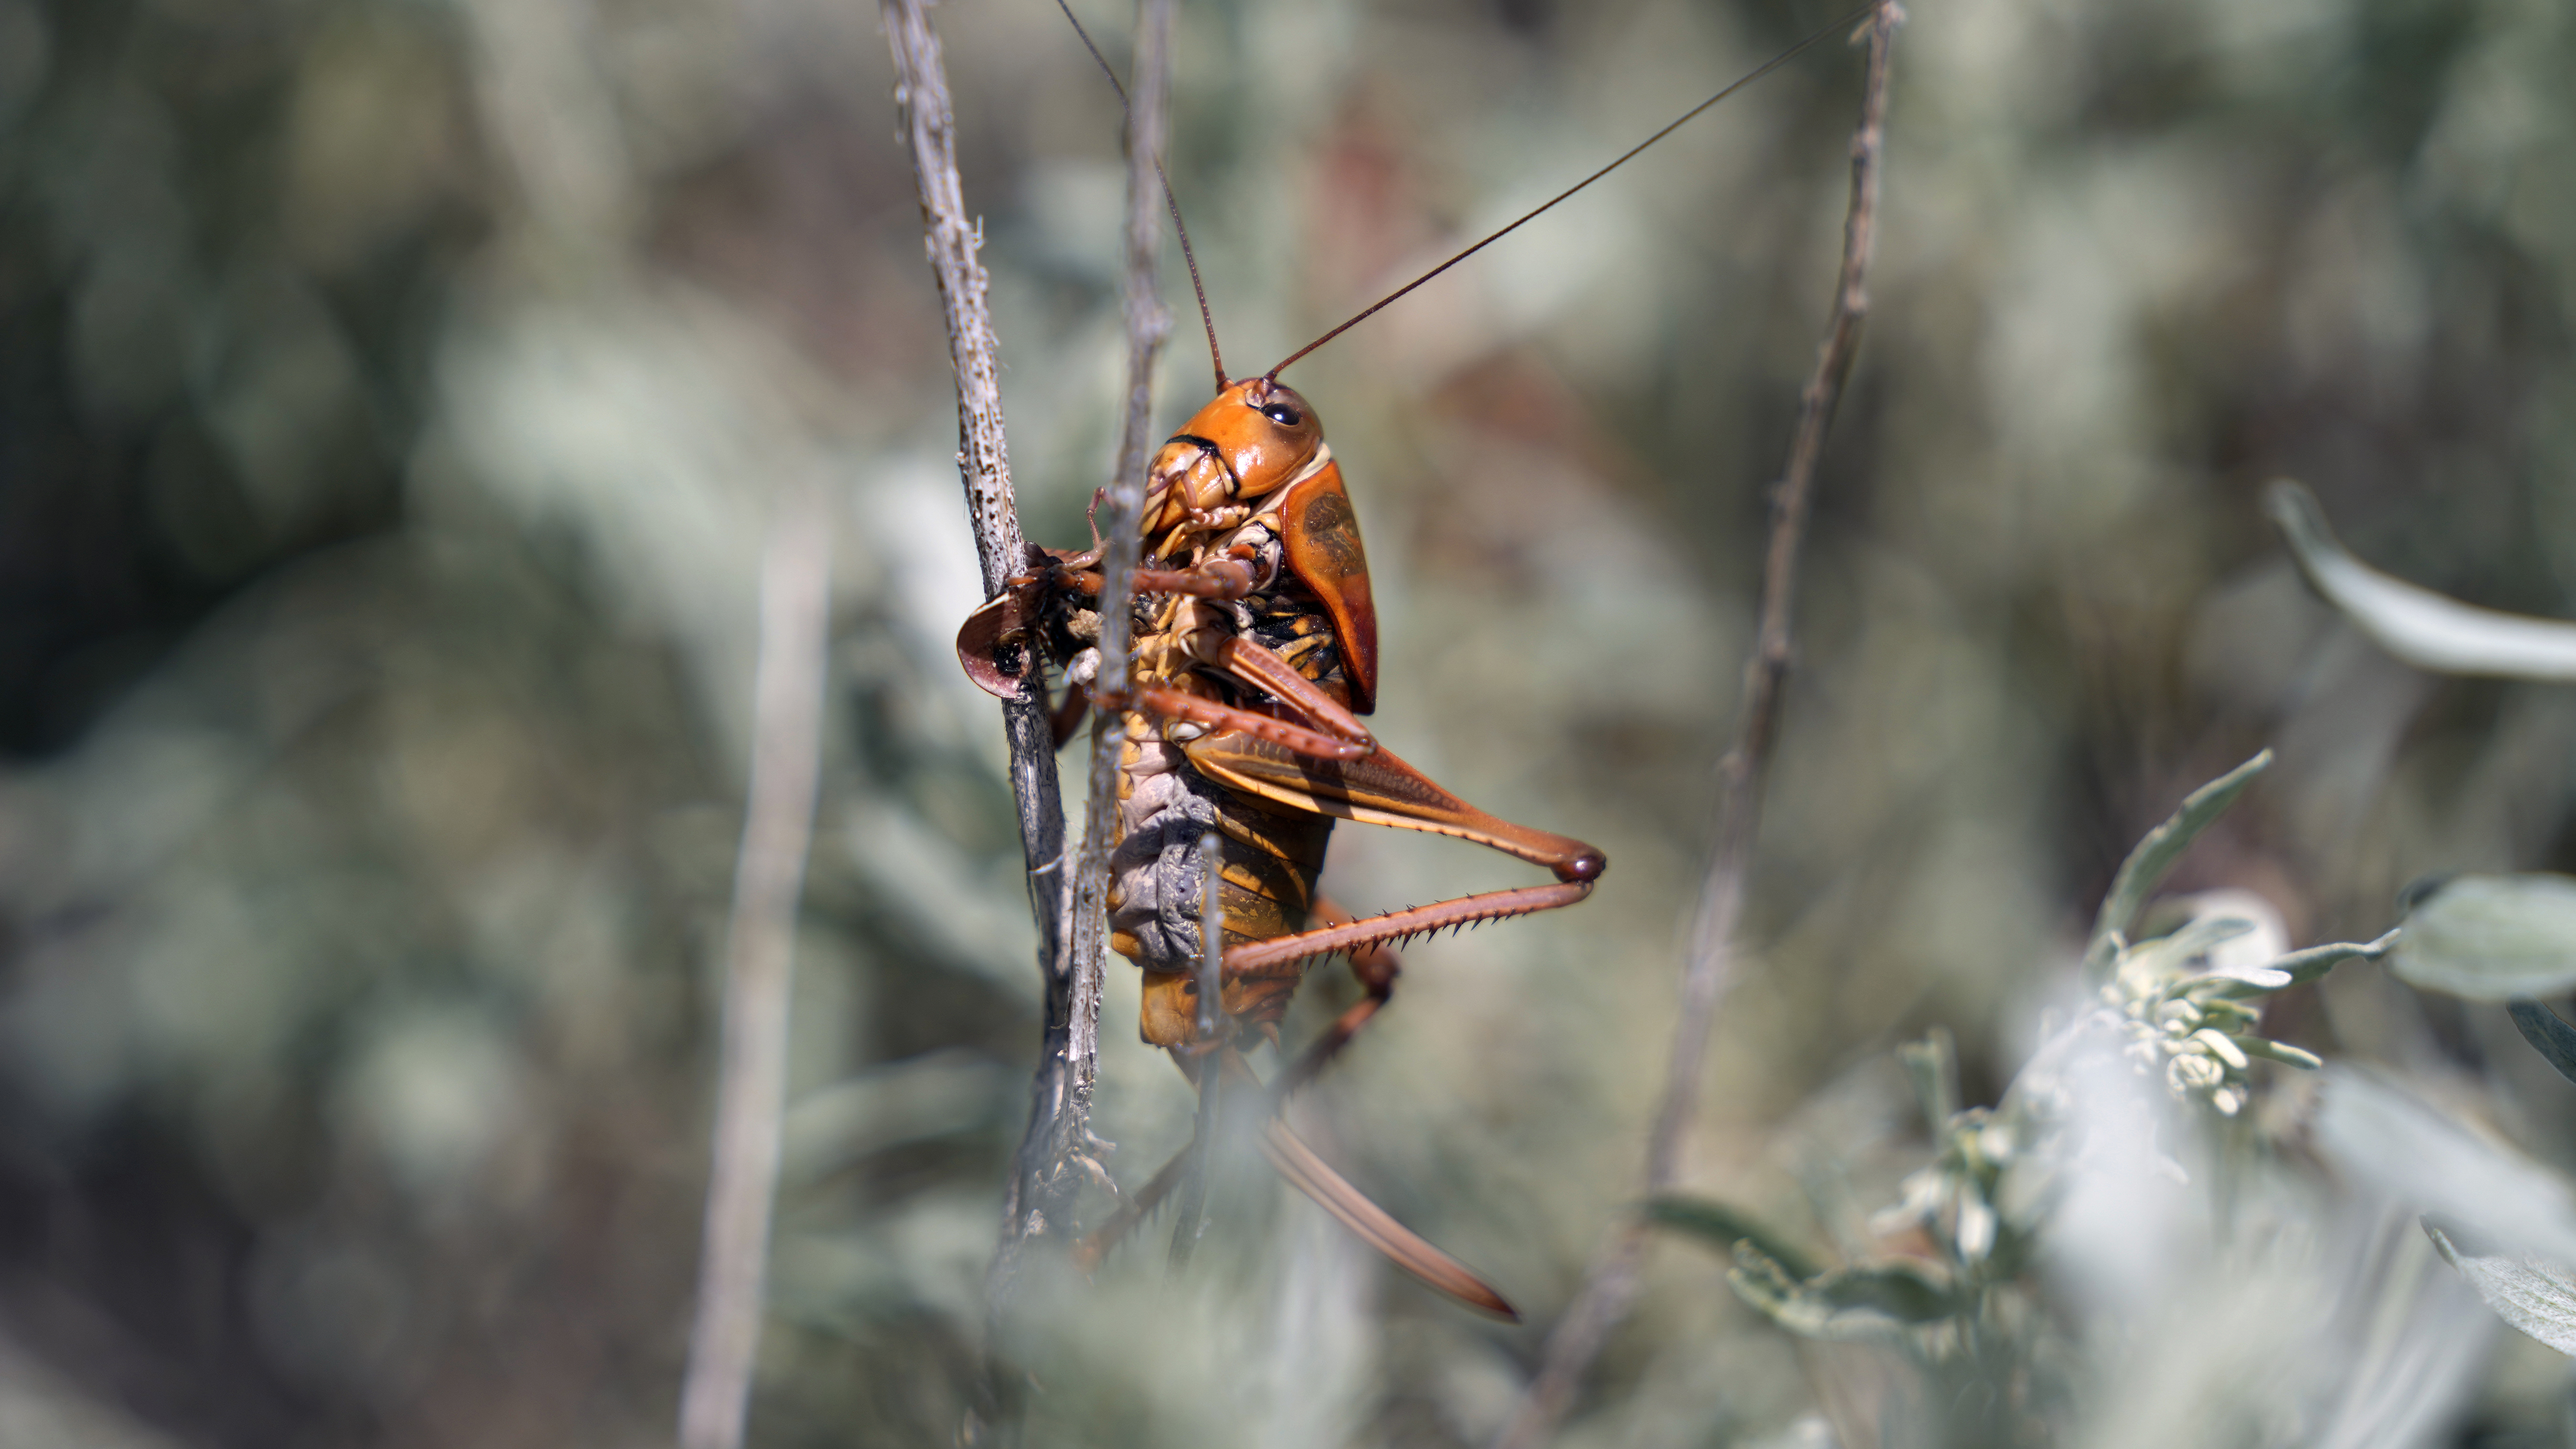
(2491, 938)
(2416, 624)
(2555, 1040)
(1872, 1303)
(2376, 1134)
(2303, 966)
(2536, 1297)
(2146, 866)
(1723, 1225)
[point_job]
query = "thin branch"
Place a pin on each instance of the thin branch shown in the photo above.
(769, 876)
(1033, 1198)
(930, 128)
(1190, 1224)
(1121, 508)
(1610, 1284)
(1054, 1150)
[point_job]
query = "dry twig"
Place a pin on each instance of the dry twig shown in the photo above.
(769, 876)
(1050, 1165)
(1610, 1283)
(1122, 506)
(929, 129)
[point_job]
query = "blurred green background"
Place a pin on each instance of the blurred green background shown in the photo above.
(392, 398)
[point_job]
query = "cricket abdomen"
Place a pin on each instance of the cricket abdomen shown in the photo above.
(1268, 865)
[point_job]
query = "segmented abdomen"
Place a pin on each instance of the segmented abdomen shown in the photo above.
(1268, 864)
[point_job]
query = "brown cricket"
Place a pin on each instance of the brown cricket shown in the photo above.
(1255, 657)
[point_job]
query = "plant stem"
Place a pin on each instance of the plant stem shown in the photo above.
(1066, 897)
(1059, 1093)
(1609, 1285)
(769, 876)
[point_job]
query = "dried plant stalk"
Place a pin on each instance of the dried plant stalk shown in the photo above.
(1610, 1284)
(769, 876)
(929, 129)
(1053, 1159)
(1122, 506)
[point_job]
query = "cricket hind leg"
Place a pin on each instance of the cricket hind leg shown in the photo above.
(1376, 968)
(1286, 955)
(1384, 790)
(1375, 965)
(1289, 1155)
(1277, 962)
(1374, 1226)
(1133, 1210)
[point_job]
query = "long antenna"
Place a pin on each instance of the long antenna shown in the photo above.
(1207, 319)
(1748, 78)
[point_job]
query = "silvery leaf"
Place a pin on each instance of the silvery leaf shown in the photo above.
(2376, 1134)
(2302, 966)
(1723, 1225)
(2492, 937)
(1873, 1303)
(2555, 1040)
(2533, 1295)
(2156, 854)
(2417, 625)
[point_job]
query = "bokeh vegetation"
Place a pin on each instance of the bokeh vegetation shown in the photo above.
(392, 396)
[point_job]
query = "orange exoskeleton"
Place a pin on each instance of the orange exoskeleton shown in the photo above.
(1255, 655)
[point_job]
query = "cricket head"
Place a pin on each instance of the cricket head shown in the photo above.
(1255, 438)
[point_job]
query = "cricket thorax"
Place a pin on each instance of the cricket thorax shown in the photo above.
(1291, 622)
(1179, 638)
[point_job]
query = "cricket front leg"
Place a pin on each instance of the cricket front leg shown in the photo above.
(1226, 577)
(1068, 716)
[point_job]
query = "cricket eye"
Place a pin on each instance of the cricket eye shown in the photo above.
(1284, 415)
